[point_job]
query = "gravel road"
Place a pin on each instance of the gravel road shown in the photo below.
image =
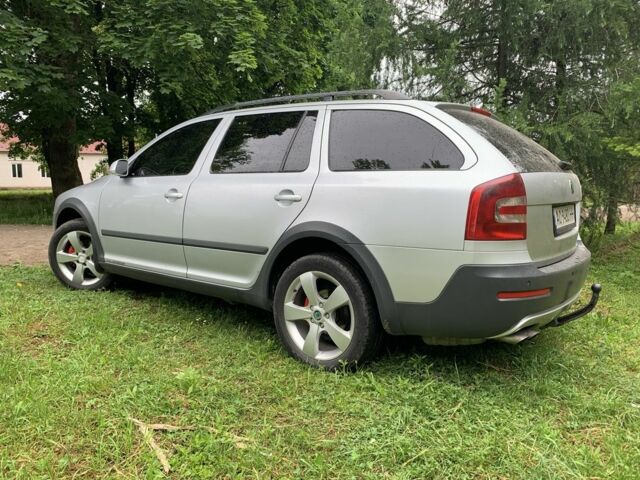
(26, 244)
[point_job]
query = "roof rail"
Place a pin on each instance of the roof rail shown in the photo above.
(325, 96)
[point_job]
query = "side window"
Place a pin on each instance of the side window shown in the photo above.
(262, 143)
(176, 153)
(300, 151)
(387, 140)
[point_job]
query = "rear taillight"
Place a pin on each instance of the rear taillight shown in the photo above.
(498, 210)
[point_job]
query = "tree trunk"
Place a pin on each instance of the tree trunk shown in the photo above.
(612, 215)
(61, 154)
(114, 149)
(561, 79)
(131, 100)
(502, 54)
(131, 147)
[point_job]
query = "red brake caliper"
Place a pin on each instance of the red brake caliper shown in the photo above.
(71, 249)
(306, 302)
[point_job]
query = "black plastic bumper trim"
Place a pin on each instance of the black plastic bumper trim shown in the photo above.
(231, 247)
(468, 306)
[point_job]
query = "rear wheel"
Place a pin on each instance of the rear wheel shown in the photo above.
(72, 257)
(325, 313)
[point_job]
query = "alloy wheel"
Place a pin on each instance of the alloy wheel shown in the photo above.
(74, 256)
(319, 315)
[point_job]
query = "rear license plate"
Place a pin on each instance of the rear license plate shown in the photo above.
(564, 219)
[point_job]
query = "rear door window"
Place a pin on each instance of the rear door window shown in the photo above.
(300, 151)
(525, 154)
(388, 140)
(266, 142)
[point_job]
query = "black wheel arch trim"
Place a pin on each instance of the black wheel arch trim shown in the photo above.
(354, 247)
(83, 211)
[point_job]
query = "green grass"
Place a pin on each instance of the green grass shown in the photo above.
(26, 206)
(74, 366)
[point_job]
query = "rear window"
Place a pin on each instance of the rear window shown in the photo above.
(525, 154)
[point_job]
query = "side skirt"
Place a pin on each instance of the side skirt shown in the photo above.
(230, 294)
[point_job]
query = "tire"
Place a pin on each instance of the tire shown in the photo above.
(334, 324)
(72, 258)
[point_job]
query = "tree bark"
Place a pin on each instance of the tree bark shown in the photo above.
(114, 148)
(113, 110)
(61, 154)
(612, 215)
(502, 54)
(131, 101)
(561, 79)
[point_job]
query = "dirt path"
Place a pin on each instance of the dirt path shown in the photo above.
(26, 244)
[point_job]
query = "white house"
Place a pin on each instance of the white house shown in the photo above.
(18, 173)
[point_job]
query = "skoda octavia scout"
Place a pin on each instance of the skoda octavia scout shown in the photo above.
(347, 214)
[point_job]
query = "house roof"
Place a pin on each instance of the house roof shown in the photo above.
(95, 147)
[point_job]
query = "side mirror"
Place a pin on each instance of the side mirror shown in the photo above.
(119, 168)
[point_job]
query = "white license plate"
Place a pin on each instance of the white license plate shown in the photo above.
(564, 218)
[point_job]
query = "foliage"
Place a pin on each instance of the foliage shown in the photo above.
(362, 37)
(44, 47)
(124, 71)
(566, 73)
(74, 366)
(100, 170)
(26, 207)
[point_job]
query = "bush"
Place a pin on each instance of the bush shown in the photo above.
(100, 170)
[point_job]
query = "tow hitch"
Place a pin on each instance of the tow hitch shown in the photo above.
(570, 317)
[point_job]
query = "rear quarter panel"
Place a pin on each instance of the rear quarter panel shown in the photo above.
(413, 222)
(417, 209)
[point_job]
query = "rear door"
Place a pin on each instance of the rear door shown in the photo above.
(553, 194)
(249, 192)
(141, 214)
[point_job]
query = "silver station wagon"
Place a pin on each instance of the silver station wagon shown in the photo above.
(347, 214)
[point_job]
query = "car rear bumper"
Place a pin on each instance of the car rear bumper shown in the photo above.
(469, 308)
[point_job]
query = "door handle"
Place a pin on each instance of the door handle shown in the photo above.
(173, 194)
(287, 196)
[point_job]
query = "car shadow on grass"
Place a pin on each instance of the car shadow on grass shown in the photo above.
(399, 353)
(261, 320)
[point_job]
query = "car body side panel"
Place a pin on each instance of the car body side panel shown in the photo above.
(413, 222)
(419, 209)
(142, 228)
(85, 200)
(419, 275)
(232, 219)
(88, 195)
(354, 247)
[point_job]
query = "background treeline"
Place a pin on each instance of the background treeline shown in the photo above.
(566, 72)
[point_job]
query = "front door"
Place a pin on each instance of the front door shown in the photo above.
(141, 214)
(246, 196)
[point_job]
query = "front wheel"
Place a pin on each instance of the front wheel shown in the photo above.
(325, 313)
(72, 257)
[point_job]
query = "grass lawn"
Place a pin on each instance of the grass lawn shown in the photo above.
(76, 366)
(26, 206)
